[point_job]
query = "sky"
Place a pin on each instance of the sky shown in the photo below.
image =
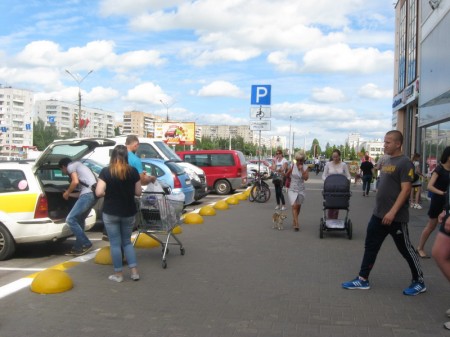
(329, 63)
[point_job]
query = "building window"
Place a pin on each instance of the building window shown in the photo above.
(402, 49)
(412, 41)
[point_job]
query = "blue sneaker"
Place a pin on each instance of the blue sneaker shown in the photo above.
(415, 289)
(357, 283)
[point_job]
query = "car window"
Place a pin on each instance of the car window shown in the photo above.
(222, 160)
(167, 151)
(147, 151)
(153, 170)
(241, 157)
(13, 181)
(175, 168)
(52, 176)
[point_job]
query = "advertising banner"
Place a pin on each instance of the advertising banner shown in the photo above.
(176, 133)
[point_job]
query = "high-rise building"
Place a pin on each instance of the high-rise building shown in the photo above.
(141, 124)
(16, 121)
(64, 116)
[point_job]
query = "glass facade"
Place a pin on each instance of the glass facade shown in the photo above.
(412, 41)
(402, 49)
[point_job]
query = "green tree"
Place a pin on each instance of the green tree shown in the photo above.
(43, 134)
(315, 148)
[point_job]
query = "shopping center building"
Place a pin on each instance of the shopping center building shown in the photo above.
(421, 103)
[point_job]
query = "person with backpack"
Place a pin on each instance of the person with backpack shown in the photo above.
(83, 179)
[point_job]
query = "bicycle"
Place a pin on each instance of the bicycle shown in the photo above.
(260, 191)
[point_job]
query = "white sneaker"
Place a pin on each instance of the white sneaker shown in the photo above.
(283, 208)
(417, 206)
(277, 207)
(116, 278)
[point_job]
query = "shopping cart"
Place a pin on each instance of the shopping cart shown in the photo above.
(158, 216)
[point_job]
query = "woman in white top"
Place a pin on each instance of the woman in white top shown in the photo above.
(298, 174)
(335, 166)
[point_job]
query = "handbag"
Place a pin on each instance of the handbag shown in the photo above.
(287, 182)
(276, 178)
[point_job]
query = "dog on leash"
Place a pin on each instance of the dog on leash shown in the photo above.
(277, 219)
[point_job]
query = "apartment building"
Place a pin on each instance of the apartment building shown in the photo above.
(16, 121)
(64, 116)
(141, 124)
(225, 132)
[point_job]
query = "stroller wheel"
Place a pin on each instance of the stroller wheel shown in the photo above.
(349, 228)
(322, 223)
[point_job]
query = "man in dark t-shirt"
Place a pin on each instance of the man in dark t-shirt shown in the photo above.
(367, 174)
(391, 216)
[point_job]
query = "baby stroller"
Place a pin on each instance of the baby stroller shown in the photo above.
(336, 194)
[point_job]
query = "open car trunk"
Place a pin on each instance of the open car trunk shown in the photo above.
(58, 207)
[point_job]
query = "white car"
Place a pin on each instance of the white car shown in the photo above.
(32, 208)
(265, 171)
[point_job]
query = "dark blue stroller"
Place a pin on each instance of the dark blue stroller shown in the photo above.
(336, 194)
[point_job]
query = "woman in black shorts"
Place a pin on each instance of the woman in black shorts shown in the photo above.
(438, 185)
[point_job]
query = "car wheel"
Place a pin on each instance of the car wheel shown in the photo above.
(222, 187)
(7, 244)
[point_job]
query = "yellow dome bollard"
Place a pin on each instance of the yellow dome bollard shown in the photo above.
(104, 256)
(207, 211)
(51, 281)
(221, 205)
(193, 219)
(177, 230)
(241, 196)
(145, 241)
(232, 200)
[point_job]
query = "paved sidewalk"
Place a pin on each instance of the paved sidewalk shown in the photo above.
(240, 277)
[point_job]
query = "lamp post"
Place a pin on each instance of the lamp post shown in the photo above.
(290, 127)
(167, 106)
(79, 80)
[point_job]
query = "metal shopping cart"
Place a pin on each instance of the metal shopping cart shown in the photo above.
(158, 216)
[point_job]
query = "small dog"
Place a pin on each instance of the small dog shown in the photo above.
(277, 219)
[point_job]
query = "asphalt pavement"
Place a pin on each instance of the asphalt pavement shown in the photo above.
(241, 277)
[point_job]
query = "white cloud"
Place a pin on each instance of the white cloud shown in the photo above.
(342, 58)
(372, 91)
(221, 89)
(147, 93)
(328, 95)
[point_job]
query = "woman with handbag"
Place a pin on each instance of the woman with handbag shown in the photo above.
(279, 168)
(297, 174)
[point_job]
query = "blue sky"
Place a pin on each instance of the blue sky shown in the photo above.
(330, 63)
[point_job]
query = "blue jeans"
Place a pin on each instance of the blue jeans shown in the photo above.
(366, 179)
(119, 232)
(76, 219)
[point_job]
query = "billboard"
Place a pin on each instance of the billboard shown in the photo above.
(176, 133)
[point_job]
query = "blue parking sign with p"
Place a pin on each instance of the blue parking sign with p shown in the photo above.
(260, 94)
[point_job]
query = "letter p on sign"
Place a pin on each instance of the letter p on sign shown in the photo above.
(260, 94)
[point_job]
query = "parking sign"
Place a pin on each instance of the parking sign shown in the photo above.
(261, 94)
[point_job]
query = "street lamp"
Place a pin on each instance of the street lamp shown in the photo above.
(290, 127)
(79, 80)
(167, 108)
